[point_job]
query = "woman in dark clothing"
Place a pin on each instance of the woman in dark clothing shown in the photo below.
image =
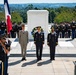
(52, 41)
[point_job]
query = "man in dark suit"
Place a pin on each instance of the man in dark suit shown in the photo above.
(52, 41)
(39, 41)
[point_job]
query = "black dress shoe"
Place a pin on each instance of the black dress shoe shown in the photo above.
(7, 74)
(37, 60)
(53, 59)
(40, 59)
(23, 59)
(50, 59)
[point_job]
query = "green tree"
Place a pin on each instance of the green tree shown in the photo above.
(2, 16)
(74, 15)
(29, 7)
(52, 16)
(23, 12)
(64, 17)
(15, 16)
(24, 16)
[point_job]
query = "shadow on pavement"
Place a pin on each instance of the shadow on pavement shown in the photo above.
(43, 63)
(29, 63)
(14, 63)
(69, 40)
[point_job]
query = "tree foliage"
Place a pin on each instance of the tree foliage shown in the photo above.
(2, 16)
(58, 15)
(15, 16)
(66, 15)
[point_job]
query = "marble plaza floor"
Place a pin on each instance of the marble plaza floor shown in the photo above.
(63, 64)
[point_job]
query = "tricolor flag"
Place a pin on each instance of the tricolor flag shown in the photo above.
(7, 16)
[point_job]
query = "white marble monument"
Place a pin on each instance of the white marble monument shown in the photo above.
(37, 18)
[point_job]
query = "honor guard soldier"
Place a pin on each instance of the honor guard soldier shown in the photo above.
(52, 41)
(39, 41)
(5, 48)
(68, 29)
(19, 27)
(2, 58)
(13, 31)
(60, 30)
(2, 27)
(73, 26)
(63, 30)
(57, 30)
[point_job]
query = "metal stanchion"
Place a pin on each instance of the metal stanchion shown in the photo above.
(74, 67)
(1, 68)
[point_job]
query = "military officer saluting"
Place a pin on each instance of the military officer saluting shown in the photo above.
(52, 41)
(39, 41)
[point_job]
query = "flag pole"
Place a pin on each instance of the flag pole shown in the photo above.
(7, 17)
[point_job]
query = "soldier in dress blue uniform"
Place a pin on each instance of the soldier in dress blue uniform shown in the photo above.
(2, 58)
(14, 29)
(39, 41)
(2, 27)
(63, 30)
(57, 29)
(4, 50)
(52, 41)
(73, 27)
(68, 29)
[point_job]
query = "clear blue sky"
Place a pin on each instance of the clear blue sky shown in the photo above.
(39, 1)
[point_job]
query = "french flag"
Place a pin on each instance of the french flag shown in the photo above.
(7, 16)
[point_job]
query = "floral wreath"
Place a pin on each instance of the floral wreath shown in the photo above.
(34, 30)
